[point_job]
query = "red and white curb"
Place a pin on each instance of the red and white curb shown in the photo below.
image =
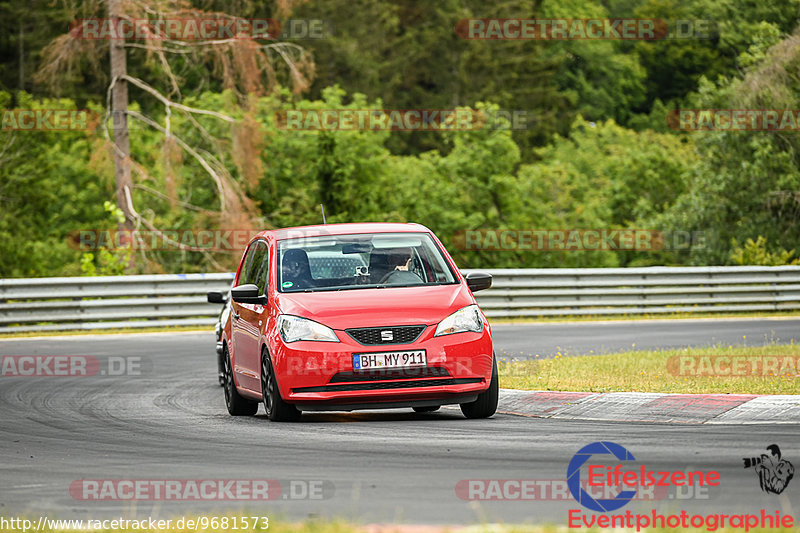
(653, 407)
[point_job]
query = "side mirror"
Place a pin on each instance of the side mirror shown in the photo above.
(477, 281)
(247, 294)
(216, 297)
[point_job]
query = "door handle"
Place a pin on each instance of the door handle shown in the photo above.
(236, 315)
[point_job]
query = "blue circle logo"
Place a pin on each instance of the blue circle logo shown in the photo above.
(574, 476)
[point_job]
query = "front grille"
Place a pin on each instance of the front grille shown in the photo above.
(373, 336)
(384, 374)
(384, 385)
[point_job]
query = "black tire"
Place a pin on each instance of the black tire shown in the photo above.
(486, 404)
(221, 370)
(427, 408)
(277, 410)
(237, 406)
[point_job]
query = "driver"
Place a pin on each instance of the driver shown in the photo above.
(399, 261)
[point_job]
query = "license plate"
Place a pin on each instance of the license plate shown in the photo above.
(407, 359)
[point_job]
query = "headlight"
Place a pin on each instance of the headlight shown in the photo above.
(465, 319)
(294, 328)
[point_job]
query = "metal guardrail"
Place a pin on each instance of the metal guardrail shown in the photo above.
(87, 303)
(43, 304)
(647, 290)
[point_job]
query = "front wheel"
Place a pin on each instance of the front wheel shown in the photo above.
(276, 409)
(486, 404)
(236, 404)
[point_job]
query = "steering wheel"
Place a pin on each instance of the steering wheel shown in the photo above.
(386, 277)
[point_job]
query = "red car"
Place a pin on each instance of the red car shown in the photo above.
(355, 316)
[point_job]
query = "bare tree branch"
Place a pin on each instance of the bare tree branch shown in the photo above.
(163, 196)
(169, 103)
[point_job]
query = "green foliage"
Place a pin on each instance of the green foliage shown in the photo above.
(105, 263)
(47, 188)
(756, 253)
(108, 262)
(607, 176)
(26, 28)
(602, 79)
(408, 55)
(600, 154)
(745, 183)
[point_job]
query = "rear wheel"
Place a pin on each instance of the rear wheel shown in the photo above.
(221, 369)
(275, 407)
(486, 404)
(237, 406)
(427, 408)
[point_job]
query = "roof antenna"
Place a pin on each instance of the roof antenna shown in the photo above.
(322, 207)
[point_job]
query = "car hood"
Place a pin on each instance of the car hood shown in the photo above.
(358, 308)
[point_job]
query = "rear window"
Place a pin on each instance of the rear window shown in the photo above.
(333, 264)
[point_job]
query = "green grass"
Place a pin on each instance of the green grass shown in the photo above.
(647, 371)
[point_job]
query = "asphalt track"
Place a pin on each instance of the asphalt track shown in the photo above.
(583, 338)
(169, 422)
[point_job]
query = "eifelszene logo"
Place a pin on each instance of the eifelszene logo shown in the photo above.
(574, 477)
(774, 473)
(625, 476)
(625, 473)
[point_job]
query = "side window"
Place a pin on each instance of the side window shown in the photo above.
(261, 267)
(244, 273)
(259, 251)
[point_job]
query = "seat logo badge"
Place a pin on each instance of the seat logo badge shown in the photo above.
(386, 335)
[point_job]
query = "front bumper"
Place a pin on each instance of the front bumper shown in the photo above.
(391, 404)
(320, 375)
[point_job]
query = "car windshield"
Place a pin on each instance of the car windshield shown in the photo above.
(360, 261)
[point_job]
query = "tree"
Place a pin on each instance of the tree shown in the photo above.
(746, 183)
(244, 63)
(119, 115)
(408, 55)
